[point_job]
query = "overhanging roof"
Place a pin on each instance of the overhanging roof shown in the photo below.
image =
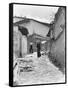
(26, 20)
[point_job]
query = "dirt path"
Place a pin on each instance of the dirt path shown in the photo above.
(44, 72)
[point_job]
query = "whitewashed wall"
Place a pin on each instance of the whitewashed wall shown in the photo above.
(16, 41)
(19, 43)
(36, 27)
(23, 45)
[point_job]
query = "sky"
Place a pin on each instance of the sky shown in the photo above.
(41, 13)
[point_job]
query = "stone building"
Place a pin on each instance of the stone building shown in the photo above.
(35, 38)
(58, 42)
(31, 31)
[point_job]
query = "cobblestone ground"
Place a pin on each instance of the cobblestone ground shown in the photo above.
(44, 72)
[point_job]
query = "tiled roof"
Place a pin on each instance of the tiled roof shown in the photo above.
(26, 20)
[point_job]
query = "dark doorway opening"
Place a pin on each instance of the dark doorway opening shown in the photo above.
(23, 30)
(38, 49)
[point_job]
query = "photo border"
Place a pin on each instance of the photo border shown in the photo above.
(11, 44)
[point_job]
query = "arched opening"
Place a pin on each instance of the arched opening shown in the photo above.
(23, 41)
(23, 30)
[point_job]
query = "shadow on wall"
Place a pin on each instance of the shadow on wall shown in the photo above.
(55, 60)
(57, 54)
